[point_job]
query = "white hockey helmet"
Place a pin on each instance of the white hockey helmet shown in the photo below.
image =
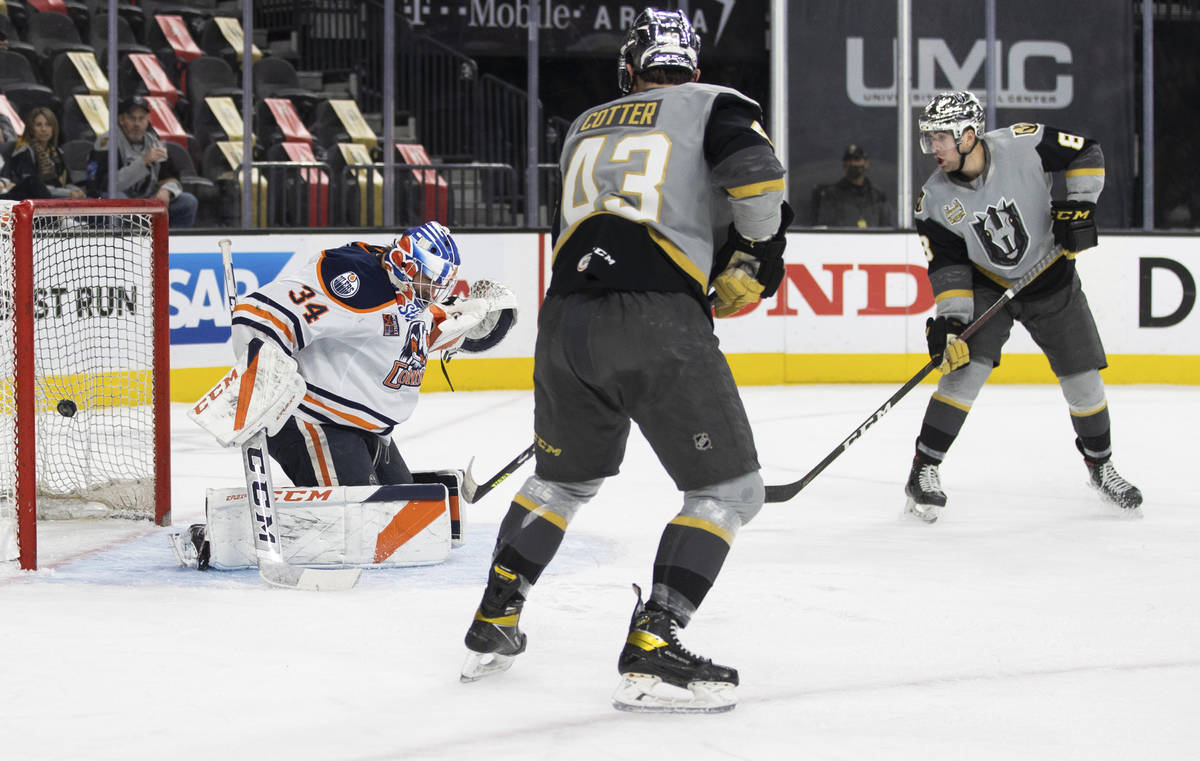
(951, 112)
(657, 39)
(426, 250)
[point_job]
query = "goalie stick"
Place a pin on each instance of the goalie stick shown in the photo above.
(784, 492)
(260, 494)
(472, 491)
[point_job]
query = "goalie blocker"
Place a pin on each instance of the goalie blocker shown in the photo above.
(333, 526)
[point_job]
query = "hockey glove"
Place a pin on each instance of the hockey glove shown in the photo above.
(944, 347)
(260, 392)
(741, 259)
(464, 323)
(1074, 224)
(501, 316)
(736, 287)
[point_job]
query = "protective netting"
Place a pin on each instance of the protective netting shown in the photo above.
(93, 357)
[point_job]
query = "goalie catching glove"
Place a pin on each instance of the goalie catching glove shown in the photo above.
(749, 270)
(944, 347)
(476, 323)
(1074, 225)
(260, 392)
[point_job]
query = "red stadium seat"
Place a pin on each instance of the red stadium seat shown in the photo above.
(166, 124)
(156, 81)
(436, 189)
(317, 182)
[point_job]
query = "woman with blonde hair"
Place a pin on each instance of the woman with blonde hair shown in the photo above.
(37, 167)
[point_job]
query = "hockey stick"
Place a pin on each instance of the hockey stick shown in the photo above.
(784, 492)
(260, 494)
(472, 492)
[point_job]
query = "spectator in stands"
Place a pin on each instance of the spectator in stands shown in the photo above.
(8, 133)
(6, 127)
(852, 201)
(37, 167)
(144, 168)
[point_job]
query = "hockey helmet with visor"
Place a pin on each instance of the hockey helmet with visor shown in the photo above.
(657, 39)
(423, 265)
(952, 112)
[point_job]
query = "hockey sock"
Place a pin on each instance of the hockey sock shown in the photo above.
(944, 418)
(1086, 400)
(529, 536)
(1096, 448)
(690, 555)
(1094, 431)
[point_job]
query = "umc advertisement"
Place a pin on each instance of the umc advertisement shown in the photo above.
(1054, 67)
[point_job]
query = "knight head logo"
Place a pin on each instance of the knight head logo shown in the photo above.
(1001, 232)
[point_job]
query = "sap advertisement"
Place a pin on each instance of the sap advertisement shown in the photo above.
(851, 309)
(199, 312)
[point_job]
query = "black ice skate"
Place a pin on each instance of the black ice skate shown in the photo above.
(653, 655)
(494, 639)
(1106, 480)
(924, 489)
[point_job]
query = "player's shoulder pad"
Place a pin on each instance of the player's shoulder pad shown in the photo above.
(931, 196)
(1023, 129)
(352, 277)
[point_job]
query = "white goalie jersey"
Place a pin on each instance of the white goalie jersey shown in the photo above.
(336, 314)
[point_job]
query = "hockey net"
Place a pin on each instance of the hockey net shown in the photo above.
(84, 343)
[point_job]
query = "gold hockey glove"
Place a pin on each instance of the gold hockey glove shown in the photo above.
(736, 287)
(944, 347)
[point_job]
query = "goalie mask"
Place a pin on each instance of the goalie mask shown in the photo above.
(423, 266)
(951, 112)
(657, 39)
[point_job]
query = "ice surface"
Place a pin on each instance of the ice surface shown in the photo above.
(1030, 622)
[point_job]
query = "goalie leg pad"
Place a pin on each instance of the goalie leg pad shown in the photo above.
(452, 480)
(334, 526)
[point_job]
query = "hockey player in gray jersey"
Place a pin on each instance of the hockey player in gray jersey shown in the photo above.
(986, 218)
(625, 333)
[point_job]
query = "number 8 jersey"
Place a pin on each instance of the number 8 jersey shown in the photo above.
(650, 182)
(998, 224)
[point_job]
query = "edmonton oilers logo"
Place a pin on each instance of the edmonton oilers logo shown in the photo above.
(345, 285)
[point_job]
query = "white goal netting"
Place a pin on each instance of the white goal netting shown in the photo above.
(92, 418)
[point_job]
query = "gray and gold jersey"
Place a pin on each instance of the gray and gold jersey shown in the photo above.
(1003, 215)
(998, 225)
(649, 158)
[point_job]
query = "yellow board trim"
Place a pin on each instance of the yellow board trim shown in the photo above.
(712, 528)
(1085, 173)
(772, 369)
(89, 391)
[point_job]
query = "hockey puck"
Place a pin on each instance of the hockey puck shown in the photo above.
(66, 408)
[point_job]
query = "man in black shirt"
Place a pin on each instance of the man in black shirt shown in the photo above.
(852, 201)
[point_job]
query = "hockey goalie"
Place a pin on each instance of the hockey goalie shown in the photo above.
(330, 359)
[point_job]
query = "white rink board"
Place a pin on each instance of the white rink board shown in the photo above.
(849, 272)
(197, 302)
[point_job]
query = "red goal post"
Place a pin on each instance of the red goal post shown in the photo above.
(84, 353)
